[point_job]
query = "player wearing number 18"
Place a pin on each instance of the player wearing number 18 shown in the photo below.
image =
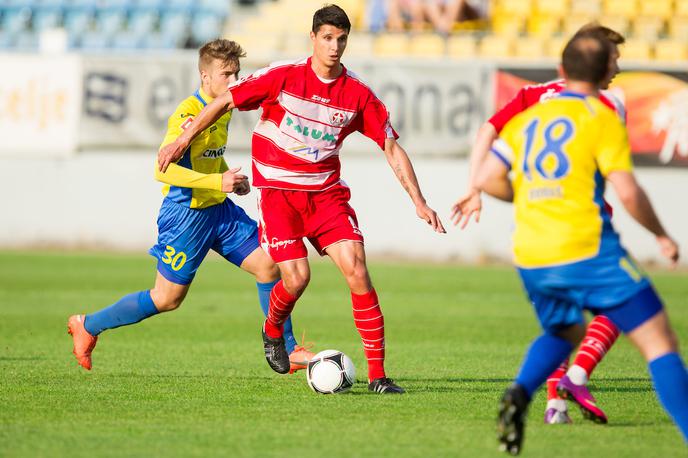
(195, 216)
(569, 257)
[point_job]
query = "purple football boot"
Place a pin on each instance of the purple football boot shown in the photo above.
(581, 396)
(556, 417)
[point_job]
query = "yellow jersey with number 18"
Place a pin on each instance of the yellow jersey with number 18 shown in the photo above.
(560, 152)
(205, 154)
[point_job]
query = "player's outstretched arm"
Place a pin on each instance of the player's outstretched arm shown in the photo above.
(403, 169)
(493, 178)
(470, 204)
(172, 152)
(638, 205)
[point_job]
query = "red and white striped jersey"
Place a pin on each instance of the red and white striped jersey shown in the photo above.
(528, 96)
(304, 121)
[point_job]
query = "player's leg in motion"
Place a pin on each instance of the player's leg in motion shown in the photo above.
(267, 275)
(544, 355)
(295, 277)
(556, 411)
(646, 324)
(349, 256)
(130, 309)
(600, 336)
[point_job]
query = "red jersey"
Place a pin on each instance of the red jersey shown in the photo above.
(296, 142)
(530, 95)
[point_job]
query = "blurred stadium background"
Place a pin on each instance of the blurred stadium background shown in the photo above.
(87, 86)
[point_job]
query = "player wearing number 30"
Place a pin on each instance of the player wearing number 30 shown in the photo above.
(195, 216)
(569, 257)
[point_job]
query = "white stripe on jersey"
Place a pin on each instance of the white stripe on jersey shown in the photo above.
(288, 176)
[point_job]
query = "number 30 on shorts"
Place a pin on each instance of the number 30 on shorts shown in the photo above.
(174, 259)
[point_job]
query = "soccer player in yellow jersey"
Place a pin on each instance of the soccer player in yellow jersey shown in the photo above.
(559, 153)
(195, 216)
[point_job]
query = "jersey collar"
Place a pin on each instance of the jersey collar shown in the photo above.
(202, 97)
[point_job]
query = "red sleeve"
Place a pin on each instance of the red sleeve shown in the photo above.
(249, 92)
(375, 122)
(508, 111)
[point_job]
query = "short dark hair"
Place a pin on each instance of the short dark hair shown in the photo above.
(595, 28)
(229, 52)
(586, 58)
(331, 15)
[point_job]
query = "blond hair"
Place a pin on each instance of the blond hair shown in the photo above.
(222, 49)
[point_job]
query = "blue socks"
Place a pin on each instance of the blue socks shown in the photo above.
(128, 310)
(264, 290)
(670, 379)
(544, 355)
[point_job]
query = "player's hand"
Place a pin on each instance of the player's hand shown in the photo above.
(668, 248)
(242, 188)
(429, 215)
(469, 205)
(170, 153)
(231, 179)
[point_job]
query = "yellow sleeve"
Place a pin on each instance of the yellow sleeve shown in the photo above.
(176, 175)
(184, 114)
(613, 151)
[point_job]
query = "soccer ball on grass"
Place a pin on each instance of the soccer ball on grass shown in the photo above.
(330, 371)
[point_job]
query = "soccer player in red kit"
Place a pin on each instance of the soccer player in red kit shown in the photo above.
(309, 107)
(601, 332)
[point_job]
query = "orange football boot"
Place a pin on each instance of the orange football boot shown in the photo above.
(299, 358)
(84, 343)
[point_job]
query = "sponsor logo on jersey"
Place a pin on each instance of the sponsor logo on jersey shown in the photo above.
(305, 150)
(214, 153)
(317, 98)
(310, 131)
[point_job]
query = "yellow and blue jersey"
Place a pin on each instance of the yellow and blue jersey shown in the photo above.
(204, 155)
(560, 152)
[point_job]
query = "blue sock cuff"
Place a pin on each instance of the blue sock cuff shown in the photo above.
(665, 361)
(146, 305)
(267, 287)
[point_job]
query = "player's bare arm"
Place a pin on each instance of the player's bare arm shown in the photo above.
(638, 205)
(470, 204)
(403, 169)
(493, 178)
(209, 115)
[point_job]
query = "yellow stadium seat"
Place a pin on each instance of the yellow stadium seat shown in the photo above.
(552, 8)
(627, 8)
(427, 45)
(391, 45)
(573, 23)
(555, 46)
(681, 8)
(590, 8)
(507, 25)
(493, 46)
(543, 26)
(647, 27)
(620, 24)
(520, 8)
(636, 50)
(258, 45)
(671, 50)
(678, 28)
(462, 46)
(661, 8)
(360, 45)
(530, 48)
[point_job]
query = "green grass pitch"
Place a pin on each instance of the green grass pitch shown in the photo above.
(195, 382)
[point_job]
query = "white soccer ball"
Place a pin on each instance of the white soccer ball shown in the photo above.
(330, 371)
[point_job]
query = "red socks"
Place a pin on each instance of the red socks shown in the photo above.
(371, 326)
(553, 379)
(599, 338)
(281, 305)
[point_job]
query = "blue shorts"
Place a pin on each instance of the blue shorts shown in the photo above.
(185, 235)
(602, 285)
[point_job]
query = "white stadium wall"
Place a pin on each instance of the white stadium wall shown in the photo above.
(89, 183)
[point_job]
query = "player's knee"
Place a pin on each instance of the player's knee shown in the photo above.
(166, 301)
(268, 273)
(295, 282)
(358, 277)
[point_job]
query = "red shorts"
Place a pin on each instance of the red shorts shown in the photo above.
(286, 217)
